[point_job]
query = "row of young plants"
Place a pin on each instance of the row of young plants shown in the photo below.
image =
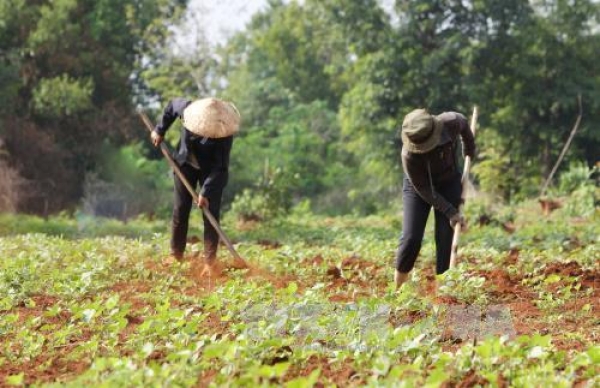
(103, 311)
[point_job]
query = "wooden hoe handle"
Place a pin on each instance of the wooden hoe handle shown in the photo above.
(464, 180)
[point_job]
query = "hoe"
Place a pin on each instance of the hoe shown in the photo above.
(465, 178)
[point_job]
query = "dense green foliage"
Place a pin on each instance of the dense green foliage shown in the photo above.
(524, 63)
(322, 87)
(69, 71)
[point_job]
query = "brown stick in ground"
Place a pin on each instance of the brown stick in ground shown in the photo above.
(565, 148)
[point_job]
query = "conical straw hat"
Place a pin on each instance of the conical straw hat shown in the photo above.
(211, 117)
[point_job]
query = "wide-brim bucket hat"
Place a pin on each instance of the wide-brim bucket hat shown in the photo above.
(421, 131)
(211, 117)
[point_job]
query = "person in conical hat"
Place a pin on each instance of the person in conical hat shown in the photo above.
(431, 179)
(202, 154)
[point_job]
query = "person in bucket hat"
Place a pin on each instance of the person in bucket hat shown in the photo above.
(431, 179)
(203, 157)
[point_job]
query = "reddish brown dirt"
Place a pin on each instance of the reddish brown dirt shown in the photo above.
(526, 318)
(45, 368)
(508, 289)
(348, 281)
(207, 278)
(512, 257)
(549, 205)
(401, 318)
(129, 293)
(352, 280)
(40, 304)
(357, 263)
(588, 278)
(206, 377)
(469, 380)
(316, 260)
(213, 324)
(504, 287)
(342, 374)
(334, 272)
(502, 381)
(57, 364)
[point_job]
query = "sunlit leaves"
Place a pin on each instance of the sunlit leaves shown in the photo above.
(54, 27)
(63, 96)
(108, 304)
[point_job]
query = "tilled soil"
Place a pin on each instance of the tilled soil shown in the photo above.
(346, 282)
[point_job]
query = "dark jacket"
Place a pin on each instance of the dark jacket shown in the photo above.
(434, 168)
(212, 154)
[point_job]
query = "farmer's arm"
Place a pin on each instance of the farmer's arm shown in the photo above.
(173, 110)
(418, 175)
(458, 125)
(219, 172)
(466, 136)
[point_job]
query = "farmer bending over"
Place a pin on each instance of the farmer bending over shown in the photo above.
(203, 158)
(431, 178)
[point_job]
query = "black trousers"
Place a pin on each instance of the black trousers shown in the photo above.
(416, 211)
(182, 206)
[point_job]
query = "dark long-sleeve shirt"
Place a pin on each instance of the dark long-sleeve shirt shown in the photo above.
(426, 171)
(212, 155)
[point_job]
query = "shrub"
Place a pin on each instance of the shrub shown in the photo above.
(576, 176)
(581, 192)
(127, 185)
(269, 198)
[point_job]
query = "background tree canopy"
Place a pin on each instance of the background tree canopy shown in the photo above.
(322, 87)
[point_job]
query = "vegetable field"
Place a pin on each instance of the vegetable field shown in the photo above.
(89, 302)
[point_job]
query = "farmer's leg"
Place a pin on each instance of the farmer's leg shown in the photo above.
(182, 205)
(415, 214)
(443, 231)
(211, 237)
